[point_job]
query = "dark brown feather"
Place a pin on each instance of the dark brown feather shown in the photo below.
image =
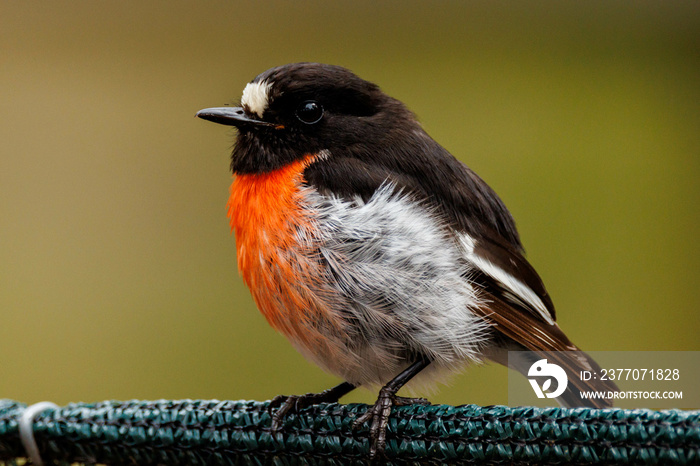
(533, 334)
(502, 254)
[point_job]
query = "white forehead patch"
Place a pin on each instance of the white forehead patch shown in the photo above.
(255, 97)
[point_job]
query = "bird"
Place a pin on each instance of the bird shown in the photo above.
(380, 256)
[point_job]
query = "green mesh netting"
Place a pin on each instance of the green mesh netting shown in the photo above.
(238, 432)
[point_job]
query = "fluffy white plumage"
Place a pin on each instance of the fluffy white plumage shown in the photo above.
(402, 282)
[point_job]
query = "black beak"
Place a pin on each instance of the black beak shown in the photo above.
(230, 116)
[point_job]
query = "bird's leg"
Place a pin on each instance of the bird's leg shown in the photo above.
(294, 403)
(379, 413)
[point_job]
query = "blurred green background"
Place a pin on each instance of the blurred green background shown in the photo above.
(117, 268)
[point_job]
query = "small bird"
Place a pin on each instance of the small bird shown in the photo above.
(380, 256)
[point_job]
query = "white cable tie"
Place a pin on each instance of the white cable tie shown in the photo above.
(26, 429)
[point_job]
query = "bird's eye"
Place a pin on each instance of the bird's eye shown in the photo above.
(310, 112)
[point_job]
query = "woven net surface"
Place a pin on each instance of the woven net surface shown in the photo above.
(188, 432)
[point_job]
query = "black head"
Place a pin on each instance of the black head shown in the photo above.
(294, 110)
(366, 139)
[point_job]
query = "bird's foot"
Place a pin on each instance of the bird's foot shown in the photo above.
(288, 404)
(379, 416)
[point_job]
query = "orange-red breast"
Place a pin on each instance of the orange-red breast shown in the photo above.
(381, 257)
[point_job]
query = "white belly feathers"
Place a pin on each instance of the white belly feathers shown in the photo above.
(400, 283)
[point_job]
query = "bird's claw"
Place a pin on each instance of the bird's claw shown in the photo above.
(287, 404)
(379, 415)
